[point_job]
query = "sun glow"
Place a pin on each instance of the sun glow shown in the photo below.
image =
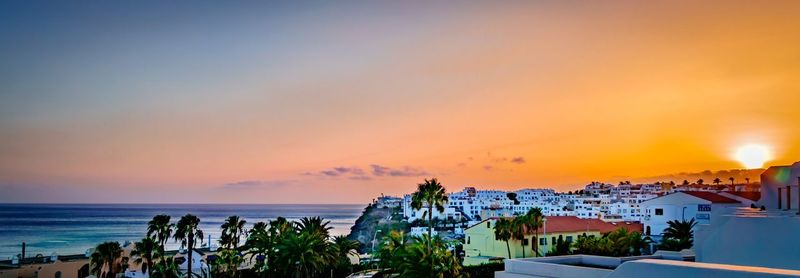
(752, 155)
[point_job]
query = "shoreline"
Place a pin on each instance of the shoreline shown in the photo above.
(71, 229)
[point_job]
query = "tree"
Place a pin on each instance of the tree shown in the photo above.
(314, 225)
(732, 181)
(144, 253)
(105, 260)
(390, 249)
(678, 235)
(430, 194)
(717, 181)
(513, 197)
(226, 263)
(160, 229)
(302, 253)
(261, 245)
(503, 231)
(232, 231)
(747, 180)
(685, 183)
(428, 257)
(166, 267)
(700, 181)
(343, 248)
(534, 220)
(186, 232)
(519, 228)
(560, 248)
(257, 244)
(617, 243)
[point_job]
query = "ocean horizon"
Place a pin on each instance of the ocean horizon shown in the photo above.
(73, 228)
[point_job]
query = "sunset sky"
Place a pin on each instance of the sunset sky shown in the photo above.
(338, 102)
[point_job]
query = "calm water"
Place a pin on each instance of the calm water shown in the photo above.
(73, 228)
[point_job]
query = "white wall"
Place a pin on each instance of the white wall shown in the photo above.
(779, 177)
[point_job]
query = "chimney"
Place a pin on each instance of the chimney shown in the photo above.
(780, 198)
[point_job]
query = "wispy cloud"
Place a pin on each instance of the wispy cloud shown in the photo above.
(375, 171)
(518, 160)
(380, 171)
(361, 178)
(337, 171)
(353, 173)
(253, 184)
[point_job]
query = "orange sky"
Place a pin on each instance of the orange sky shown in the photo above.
(262, 107)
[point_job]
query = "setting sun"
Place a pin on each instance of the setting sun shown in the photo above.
(753, 155)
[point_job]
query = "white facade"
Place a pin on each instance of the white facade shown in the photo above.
(599, 201)
(678, 206)
(737, 241)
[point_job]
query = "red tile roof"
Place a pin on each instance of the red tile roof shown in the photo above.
(562, 224)
(752, 196)
(711, 197)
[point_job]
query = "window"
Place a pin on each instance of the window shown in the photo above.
(569, 238)
(542, 241)
(524, 242)
(659, 211)
(488, 224)
(467, 240)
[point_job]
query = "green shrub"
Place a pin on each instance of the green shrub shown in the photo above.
(483, 270)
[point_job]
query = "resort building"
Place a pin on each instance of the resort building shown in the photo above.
(481, 245)
(682, 206)
(738, 240)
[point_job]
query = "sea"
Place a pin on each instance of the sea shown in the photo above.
(67, 229)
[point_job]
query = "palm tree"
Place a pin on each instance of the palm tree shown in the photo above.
(502, 231)
(303, 253)
(314, 225)
(232, 231)
(732, 182)
(519, 228)
(343, 248)
(186, 232)
(420, 260)
(259, 243)
(105, 260)
(160, 229)
(390, 247)
(717, 181)
(685, 183)
(747, 180)
(144, 253)
(279, 229)
(535, 220)
(678, 235)
(167, 267)
(432, 194)
(700, 181)
(227, 263)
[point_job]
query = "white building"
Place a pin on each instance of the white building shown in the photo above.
(682, 206)
(738, 241)
(411, 214)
